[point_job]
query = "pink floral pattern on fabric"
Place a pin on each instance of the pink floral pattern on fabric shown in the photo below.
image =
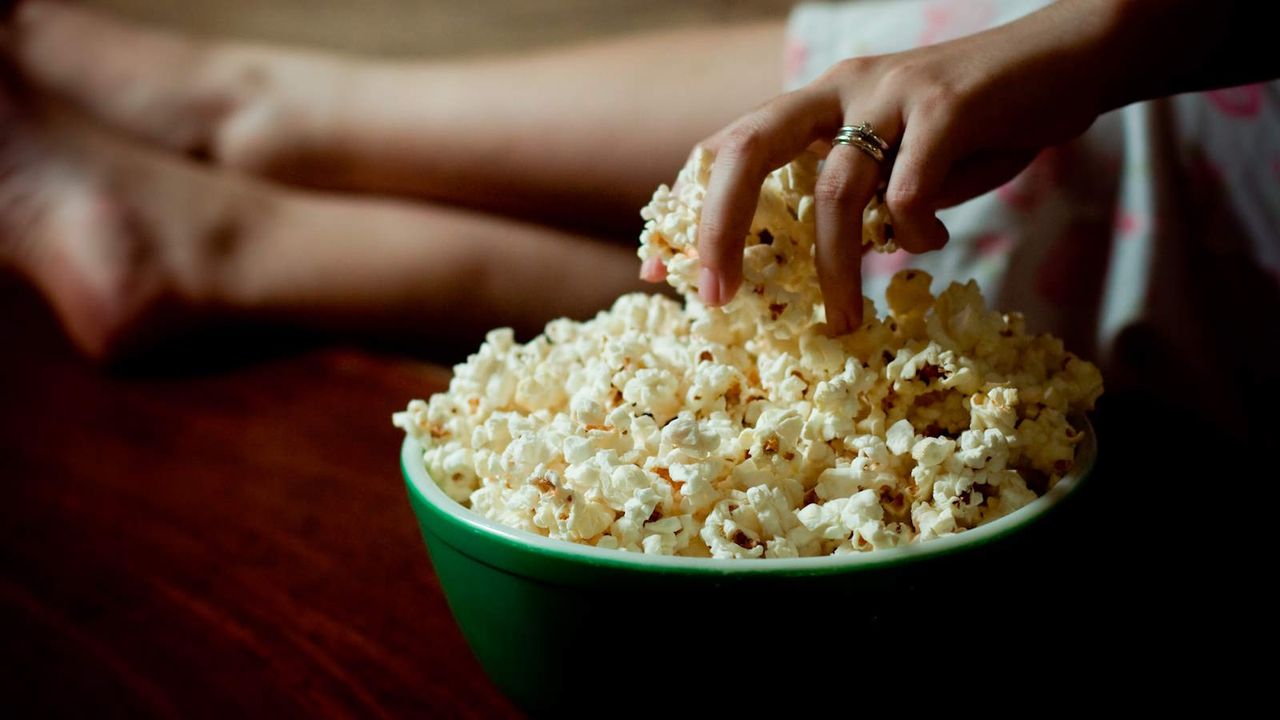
(1244, 101)
(876, 264)
(951, 19)
(992, 244)
(1128, 223)
(794, 55)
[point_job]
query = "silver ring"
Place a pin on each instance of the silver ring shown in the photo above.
(865, 131)
(862, 144)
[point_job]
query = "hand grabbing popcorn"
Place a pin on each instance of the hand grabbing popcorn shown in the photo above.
(778, 275)
(745, 431)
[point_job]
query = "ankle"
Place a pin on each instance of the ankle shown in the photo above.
(191, 228)
(278, 108)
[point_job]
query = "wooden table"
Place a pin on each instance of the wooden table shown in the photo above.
(237, 541)
(227, 543)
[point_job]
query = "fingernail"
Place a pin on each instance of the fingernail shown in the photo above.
(652, 270)
(727, 291)
(709, 287)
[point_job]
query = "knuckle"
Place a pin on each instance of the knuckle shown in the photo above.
(744, 143)
(904, 197)
(849, 68)
(904, 75)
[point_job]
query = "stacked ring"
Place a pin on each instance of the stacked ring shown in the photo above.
(864, 138)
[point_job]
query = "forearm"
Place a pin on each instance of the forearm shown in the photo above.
(591, 129)
(345, 263)
(1156, 48)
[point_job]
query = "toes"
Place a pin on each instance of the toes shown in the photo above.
(136, 78)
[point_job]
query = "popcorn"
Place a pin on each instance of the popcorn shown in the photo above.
(746, 432)
(778, 276)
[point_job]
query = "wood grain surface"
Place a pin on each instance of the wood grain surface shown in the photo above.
(235, 541)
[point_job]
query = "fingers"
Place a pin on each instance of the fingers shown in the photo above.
(848, 179)
(653, 270)
(747, 152)
(925, 135)
(924, 158)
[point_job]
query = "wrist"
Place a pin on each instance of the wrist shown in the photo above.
(1112, 54)
(1080, 47)
(1101, 45)
(1153, 48)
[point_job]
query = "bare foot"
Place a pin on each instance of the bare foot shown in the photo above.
(115, 240)
(243, 106)
(563, 137)
(130, 243)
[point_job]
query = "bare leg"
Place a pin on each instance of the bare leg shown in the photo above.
(116, 236)
(580, 134)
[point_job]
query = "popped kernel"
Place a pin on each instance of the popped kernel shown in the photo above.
(746, 431)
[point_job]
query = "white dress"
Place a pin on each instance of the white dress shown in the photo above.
(1151, 243)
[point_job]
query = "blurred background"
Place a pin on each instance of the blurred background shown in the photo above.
(422, 28)
(236, 540)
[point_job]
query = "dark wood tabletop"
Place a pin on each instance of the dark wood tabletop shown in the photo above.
(225, 542)
(237, 540)
(234, 539)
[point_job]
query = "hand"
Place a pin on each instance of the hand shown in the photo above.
(965, 116)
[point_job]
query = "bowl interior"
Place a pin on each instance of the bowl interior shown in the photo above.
(463, 519)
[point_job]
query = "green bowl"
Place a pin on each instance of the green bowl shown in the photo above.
(557, 625)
